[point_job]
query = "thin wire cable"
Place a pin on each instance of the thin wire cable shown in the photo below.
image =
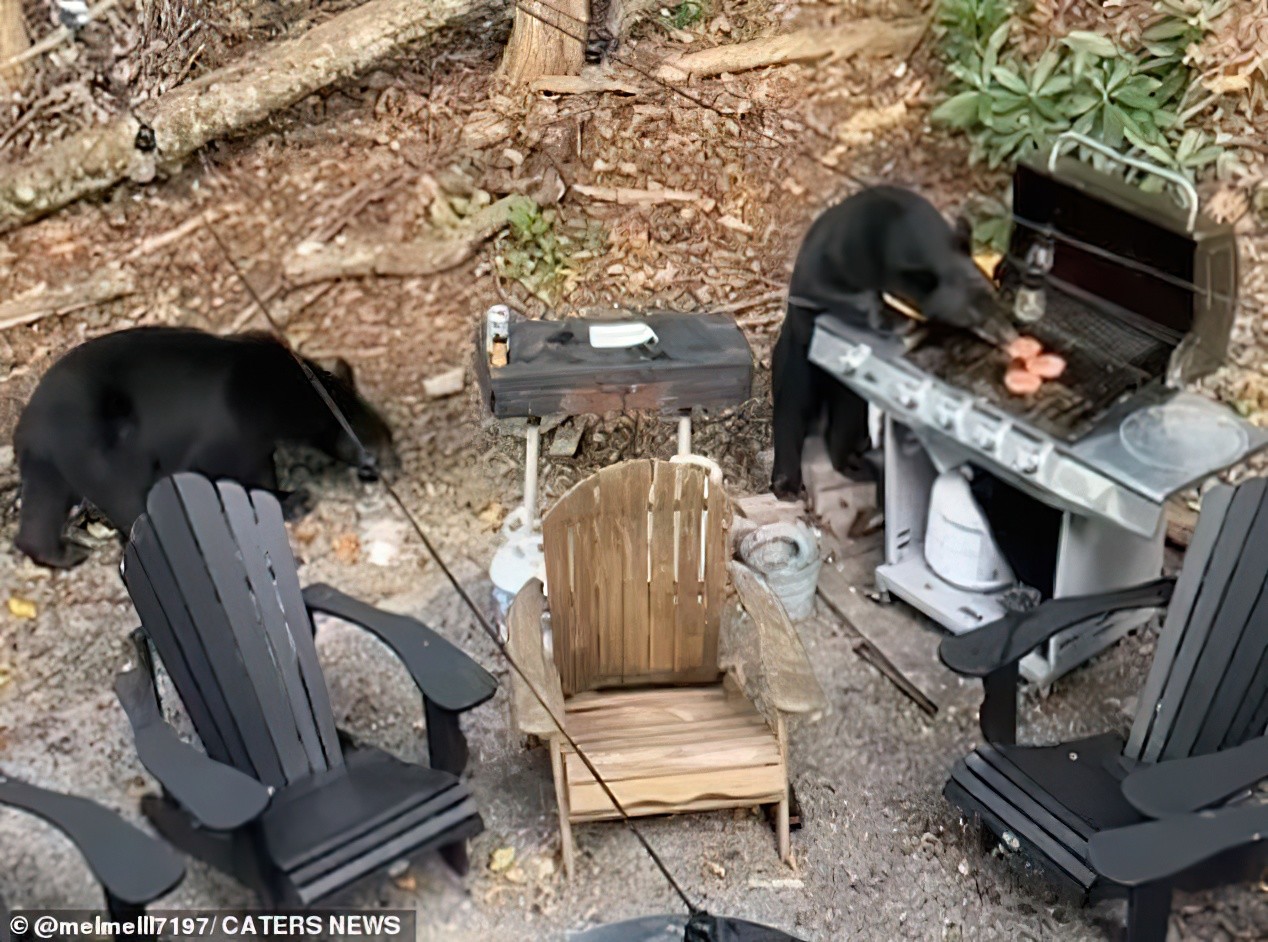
(488, 629)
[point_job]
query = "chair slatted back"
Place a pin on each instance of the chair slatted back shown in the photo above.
(1206, 688)
(211, 573)
(636, 560)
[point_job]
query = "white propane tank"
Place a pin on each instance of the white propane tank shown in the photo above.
(959, 546)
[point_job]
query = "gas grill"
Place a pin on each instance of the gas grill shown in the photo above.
(1140, 299)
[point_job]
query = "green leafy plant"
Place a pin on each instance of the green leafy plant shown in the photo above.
(541, 253)
(688, 13)
(1129, 99)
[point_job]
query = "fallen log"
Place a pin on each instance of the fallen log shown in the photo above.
(870, 37)
(164, 131)
(98, 288)
(357, 258)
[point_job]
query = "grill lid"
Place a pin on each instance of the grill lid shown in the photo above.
(1137, 255)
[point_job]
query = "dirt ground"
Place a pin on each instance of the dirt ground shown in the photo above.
(882, 855)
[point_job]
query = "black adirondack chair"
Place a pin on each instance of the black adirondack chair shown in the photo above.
(133, 868)
(280, 799)
(1172, 807)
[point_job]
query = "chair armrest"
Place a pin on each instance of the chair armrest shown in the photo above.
(1182, 786)
(1159, 850)
(1007, 640)
(129, 864)
(443, 672)
(218, 795)
(525, 644)
(765, 651)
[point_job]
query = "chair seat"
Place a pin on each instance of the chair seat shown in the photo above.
(334, 827)
(1051, 799)
(670, 749)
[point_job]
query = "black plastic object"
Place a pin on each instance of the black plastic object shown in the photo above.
(1082, 810)
(218, 795)
(699, 361)
(212, 576)
(1009, 639)
(701, 927)
(133, 868)
(1184, 785)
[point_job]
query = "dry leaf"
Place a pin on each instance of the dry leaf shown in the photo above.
(305, 531)
(492, 515)
(21, 608)
(347, 548)
(406, 881)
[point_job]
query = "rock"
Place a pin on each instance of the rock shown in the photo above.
(566, 441)
(501, 859)
(445, 384)
(8, 458)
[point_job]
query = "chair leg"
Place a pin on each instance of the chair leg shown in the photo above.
(781, 814)
(446, 745)
(457, 857)
(1148, 912)
(561, 798)
(782, 830)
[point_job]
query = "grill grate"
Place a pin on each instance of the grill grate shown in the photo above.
(1106, 359)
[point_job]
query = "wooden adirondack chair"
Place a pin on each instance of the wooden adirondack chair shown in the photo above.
(1110, 818)
(133, 868)
(281, 799)
(642, 633)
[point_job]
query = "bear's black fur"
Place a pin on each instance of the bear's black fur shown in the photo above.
(116, 414)
(884, 239)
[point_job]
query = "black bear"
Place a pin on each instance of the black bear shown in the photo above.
(116, 414)
(884, 239)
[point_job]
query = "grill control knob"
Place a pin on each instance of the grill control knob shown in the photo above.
(853, 358)
(907, 398)
(985, 439)
(1027, 462)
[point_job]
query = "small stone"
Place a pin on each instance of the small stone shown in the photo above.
(501, 859)
(566, 441)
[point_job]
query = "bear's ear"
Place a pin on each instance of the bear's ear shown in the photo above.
(963, 235)
(342, 371)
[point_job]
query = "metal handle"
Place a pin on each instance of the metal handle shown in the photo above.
(1179, 180)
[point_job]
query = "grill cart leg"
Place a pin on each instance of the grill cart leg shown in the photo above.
(684, 434)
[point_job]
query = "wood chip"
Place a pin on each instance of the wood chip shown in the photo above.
(445, 384)
(629, 196)
(588, 82)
